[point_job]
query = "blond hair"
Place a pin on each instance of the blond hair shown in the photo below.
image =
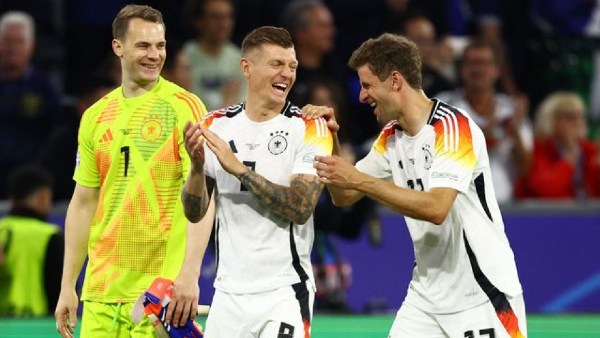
(551, 106)
(18, 18)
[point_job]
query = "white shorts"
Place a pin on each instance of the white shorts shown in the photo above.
(501, 317)
(282, 313)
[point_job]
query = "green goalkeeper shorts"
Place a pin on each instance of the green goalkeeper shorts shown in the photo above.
(113, 320)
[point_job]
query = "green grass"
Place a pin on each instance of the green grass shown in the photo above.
(324, 326)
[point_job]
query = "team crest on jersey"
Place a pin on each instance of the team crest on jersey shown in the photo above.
(151, 130)
(278, 142)
(427, 157)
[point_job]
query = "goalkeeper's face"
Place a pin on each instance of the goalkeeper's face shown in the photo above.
(142, 52)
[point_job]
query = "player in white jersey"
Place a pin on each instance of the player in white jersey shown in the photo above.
(430, 163)
(260, 165)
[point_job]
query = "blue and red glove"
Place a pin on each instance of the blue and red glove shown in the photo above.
(157, 298)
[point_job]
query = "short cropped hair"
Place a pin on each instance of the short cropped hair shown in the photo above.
(21, 19)
(266, 35)
(25, 180)
(121, 21)
(387, 53)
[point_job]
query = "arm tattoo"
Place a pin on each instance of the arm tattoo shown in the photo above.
(195, 206)
(296, 202)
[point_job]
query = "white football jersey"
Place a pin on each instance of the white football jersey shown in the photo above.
(461, 262)
(259, 250)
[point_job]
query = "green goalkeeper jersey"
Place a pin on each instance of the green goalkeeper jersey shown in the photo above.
(132, 149)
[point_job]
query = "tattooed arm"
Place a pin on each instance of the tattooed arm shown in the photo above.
(197, 187)
(196, 195)
(296, 202)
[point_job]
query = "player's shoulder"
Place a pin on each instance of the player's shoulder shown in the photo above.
(170, 91)
(180, 98)
(104, 103)
(223, 113)
(294, 113)
(389, 129)
(447, 116)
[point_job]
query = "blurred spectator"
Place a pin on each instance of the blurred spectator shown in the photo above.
(58, 153)
(33, 248)
(110, 66)
(422, 32)
(214, 59)
(177, 67)
(566, 165)
(311, 25)
(29, 102)
(503, 119)
(332, 272)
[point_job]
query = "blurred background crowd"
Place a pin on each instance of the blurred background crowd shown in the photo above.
(528, 72)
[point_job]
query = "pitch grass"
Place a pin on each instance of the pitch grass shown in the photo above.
(354, 326)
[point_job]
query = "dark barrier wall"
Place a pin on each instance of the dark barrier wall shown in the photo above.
(557, 254)
(557, 249)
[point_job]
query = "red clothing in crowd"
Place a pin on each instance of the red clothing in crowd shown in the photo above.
(552, 176)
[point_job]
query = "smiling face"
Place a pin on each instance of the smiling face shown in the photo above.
(271, 72)
(142, 52)
(377, 94)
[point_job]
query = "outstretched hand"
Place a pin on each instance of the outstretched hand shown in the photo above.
(314, 112)
(224, 153)
(194, 144)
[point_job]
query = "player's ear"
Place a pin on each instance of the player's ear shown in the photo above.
(245, 67)
(117, 47)
(396, 80)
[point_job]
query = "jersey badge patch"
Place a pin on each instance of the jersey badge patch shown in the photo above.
(427, 157)
(278, 142)
(151, 130)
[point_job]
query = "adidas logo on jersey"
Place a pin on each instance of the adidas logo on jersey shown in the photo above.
(106, 137)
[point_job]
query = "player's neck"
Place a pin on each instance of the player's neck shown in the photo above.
(133, 89)
(259, 110)
(415, 113)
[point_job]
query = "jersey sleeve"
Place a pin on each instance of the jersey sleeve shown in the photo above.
(209, 157)
(317, 141)
(86, 170)
(191, 109)
(377, 163)
(454, 157)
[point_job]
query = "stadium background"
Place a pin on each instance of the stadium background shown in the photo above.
(556, 249)
(555, 244)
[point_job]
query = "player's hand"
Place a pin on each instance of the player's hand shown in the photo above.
(194, 144)
(224, 154)
(336, 171)
(184, 303)
(314, 112)
(66, 313)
